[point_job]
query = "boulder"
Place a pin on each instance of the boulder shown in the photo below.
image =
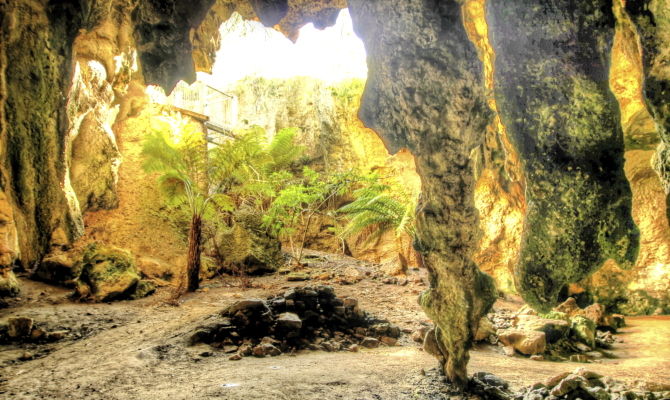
(248, 247)
(19, 327)
(485, 330)
(9, 285)
(568, 307)
(265, 349)
(584, 330)
(289, 321)
(297, 276)
(144, 288)
(351, 275)
(153, 268)
(59, 268)
(567, 385)
(370, 342)
(554, 329)
(526, 342)
(107, 273)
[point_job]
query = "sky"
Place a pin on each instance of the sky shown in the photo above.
(250, 49)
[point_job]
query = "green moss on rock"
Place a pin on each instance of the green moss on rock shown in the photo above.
(108, 273)
(248, 247)
(584, 329)
(553, 95)
(9, 285)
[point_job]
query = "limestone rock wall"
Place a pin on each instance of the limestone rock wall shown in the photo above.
(645, 288)
(553, 95)
(425, 92)
(36, 65)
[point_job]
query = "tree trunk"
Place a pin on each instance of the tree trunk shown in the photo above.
(193, 263)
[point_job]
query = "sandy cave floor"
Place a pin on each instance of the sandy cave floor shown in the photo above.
(135, 350)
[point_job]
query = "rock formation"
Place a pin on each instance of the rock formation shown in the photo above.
(552, 90)
(405, 101)
(557, 124)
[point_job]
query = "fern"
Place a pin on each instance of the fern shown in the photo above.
(377, 209)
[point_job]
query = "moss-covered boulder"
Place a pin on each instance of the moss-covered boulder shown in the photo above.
(247, 247)
(109, 273)
(9, 285)
(584, 330)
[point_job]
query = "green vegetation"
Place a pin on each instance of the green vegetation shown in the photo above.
(256, 191)
(210, 185)
(293, 210)
(180, 158)
(378, 208)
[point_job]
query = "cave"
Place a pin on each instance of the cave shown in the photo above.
(346, 199)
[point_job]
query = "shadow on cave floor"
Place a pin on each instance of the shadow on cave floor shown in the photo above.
(135, 350)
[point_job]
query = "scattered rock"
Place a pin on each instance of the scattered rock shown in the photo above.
(57, 335)
(370, 343)
(59, 268)
(289, 321)
(300, 318)
(351, 275)
(19, 327)
(9, 285)
(265, 349)
(297, 276)
(389, 341)
(567, 385)
(581, 358)
(509, 351)
(420, 334)
(524, 341)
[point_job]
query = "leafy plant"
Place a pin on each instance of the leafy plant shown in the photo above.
(293, 210)
(379, 208)
(179, 155)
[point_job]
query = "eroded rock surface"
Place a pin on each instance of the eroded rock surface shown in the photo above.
(552, 91)
(405, 101)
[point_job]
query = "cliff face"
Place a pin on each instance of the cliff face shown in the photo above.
(645, 288)
(36, 65)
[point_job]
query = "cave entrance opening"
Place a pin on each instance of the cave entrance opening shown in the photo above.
(266, 85)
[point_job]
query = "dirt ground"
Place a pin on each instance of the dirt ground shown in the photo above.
(136, 350)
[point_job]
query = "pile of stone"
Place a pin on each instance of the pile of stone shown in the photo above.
(24, 330)
(579, 384)
(568, 332)
(587, 385)
(309, 317)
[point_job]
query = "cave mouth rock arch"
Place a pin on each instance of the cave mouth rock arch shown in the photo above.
(426, 91)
